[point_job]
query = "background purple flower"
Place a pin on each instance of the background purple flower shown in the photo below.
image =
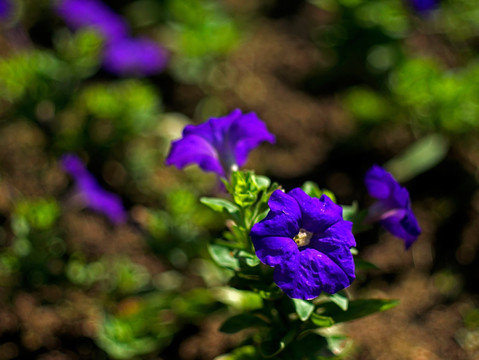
(138, 56)
(424, 6)
(93, 195)
(220, 144)
(307, 242)
(94, 14)
(393, 208)
(6, 9)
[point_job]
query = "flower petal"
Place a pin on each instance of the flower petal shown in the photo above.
(94, 14)
(393, 208)
(317, 214)
(214, 130)
(306, 276)
(282, 220)
(340, 255)
(339, 233)
(106, 203)
(194, 149)
(379, 182)
(246, 133)
(92, 194)
(137, 57)
(406, 228)
(273, 250)
(282, 203)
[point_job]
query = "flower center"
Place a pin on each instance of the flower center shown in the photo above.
(303, 237)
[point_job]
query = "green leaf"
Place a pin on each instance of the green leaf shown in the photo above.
(242, 300)
(303, 308)
(340, 300)
(248, 258)
(268, 292)
(247, 352)
(350, 212)
(219, 205)
(224, 256)
(357, 309)
(309, 345)
(246, 186)
(322, 321)
(337, 343)
(262, 181)
(269, 349)
(358, 221)
(241, 322)
(361, 264)
(313, 190)
(423, 155)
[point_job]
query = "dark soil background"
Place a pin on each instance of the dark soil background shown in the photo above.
(279, 72)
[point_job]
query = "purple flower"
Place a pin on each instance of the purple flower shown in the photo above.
(91, 192)
(424, 6)
(307, 242)
(138, 56)
(94, 14)
(6, 9)
(221, 144)
(393, 208)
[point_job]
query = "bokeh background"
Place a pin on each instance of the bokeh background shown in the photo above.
(343, 84)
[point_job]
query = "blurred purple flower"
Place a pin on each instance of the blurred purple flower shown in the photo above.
(424, 6)
(94, 14)
(307, 242)
(393, 208)
(138, 56)
(6, 8)
(93, 195)
(221, 144)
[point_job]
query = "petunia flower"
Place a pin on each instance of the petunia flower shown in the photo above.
(424, 6)
(135, 56)
(93, 14)
(91, 193)
(6, 8)
(307, 242)
(393, 208)
(219, 145)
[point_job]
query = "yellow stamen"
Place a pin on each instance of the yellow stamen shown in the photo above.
(303, 237)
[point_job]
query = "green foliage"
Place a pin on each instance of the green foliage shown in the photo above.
(356, 309)
(202, 28)
(202, 32)
(34, 74)
(104, 114)
(367, 105)
(285, 328)
(40, 214)
(313, 190)
(245, 187)
(116, 275)
(139, 326)
(421, 156)
(303, 308)
(439, 99)
(241, 322)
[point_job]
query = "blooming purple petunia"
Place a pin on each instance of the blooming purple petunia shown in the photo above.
(393, 208)
(92, 194)
(94, 14)
(135, 56)
(307, 242)
(219, 145)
